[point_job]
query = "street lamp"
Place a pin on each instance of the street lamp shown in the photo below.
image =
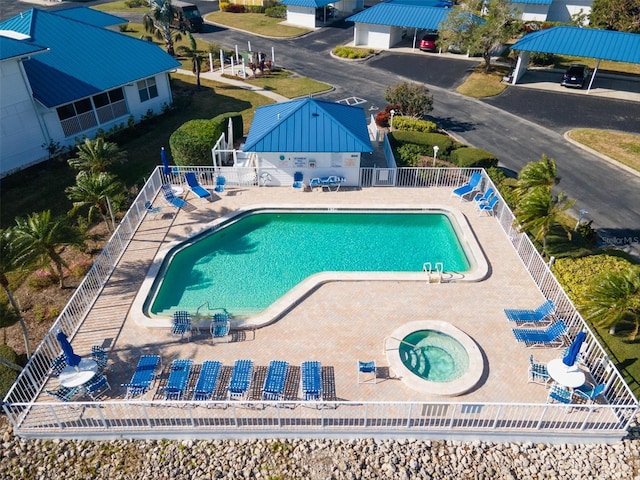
(435, 154)
(392, 113)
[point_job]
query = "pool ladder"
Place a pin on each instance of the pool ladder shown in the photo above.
(433, 275)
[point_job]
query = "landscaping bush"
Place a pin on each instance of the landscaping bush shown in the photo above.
(352, 52)
(504, 184)
(235, 8)
(41, 279)
(136, 3)
(408, 155)
(413, 124)
(7, 375)
(542, 59)
(224, 6)
(254, 9)
(277, 11)
(473, 157)
(382, 119)
(192, 142)
(444, 143)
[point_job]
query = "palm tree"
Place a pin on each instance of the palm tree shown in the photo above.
(158, 22)
(8, 263)
(196, 56)
(612, 297)
(539, 210)
(38, 238)
(537, 174)
(97, 191)
(97, 155)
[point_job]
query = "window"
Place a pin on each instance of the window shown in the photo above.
(147, 89)
(87, 113)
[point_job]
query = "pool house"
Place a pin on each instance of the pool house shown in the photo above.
(321, 332)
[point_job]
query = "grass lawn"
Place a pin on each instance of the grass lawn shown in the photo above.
(623, 147)
(287, 84)
(119, 6)
(257, 23)
(481, 84)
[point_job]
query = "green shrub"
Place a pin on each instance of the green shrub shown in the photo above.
(277, 11)
(224, 6)
(408, 155)
(576, 274)
(254, 9)
(504, 184)
(7, 375)
(136, 3)
(542, 59)
(473, 157)
(444, 143)
(41, 279)
(413, 124)
(235, 8)
(352, 52)
(192, 142)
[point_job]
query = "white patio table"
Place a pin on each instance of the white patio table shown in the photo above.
(572, 377)
(77, 376)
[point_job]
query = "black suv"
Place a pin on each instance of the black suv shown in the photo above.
(575, 76)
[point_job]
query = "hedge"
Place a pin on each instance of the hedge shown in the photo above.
(444, 143)
(7, 375)
(473, 157)
(413, 124)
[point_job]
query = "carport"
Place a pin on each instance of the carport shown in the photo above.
(581, 42)
(303, 12)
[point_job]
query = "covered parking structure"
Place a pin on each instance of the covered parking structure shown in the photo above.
(303, 12)
(386, 24)
(581, 42)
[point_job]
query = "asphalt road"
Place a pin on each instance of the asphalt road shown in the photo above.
(518, 126)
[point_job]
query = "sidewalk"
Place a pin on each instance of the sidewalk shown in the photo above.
(217, 76)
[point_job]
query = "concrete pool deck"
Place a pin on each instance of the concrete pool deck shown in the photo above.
(338, 323)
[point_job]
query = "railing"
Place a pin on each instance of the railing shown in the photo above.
(120, 417)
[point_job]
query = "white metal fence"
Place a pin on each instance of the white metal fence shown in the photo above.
(136, 418)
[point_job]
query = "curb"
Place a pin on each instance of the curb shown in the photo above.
(602, 156)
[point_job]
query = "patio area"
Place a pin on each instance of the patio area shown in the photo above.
(337, 324)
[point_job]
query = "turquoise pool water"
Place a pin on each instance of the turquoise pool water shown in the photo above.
(434, 356)
(246, 265)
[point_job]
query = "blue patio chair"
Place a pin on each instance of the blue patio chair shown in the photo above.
(97, 386)
(178, 379)
(297, 180)
(589, 392)
(195, 186)
(488, 206)
(559, 393)
(540, 314)
(311, 376)
(483, 197)
(144, 374)
(315, 183)
(57, 365)
(274, 383)
(469, 187)
(220, 326)
(240, 378)
(181, 323)
(367, 368)
(220, 184)
(555, 335)
(64, 394)
(538, 373)
(207, 380)
(171, 198)
(99, 355)
(333, 181)
(151, 210)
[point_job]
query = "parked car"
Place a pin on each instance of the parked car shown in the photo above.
(186, 17)
(428, 42)
(575, 76)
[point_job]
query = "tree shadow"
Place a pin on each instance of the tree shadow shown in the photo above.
(451, 125)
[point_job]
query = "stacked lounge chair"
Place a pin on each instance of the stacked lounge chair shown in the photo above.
(207, 380)
(540, 315)
(178, 379)
(240, 379)
(274, 383)
(311, 376)
(554, 336)
(143, 376)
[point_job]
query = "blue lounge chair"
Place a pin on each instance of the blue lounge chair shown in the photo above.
(58, 364)
(314, 183)
(311, 376)
(171, 198)
(195, 186)
(367, 368)
(589, 392)
(97, 386)
(471, 186)
(538, 373)
(297, 180)
(489, 205)
(540, 314)
(99, 355)
(64, 394)
(151, 210)
(143, 375)
(240, 378)
(181, 323)
(555, 335)
(207, 380)
(220, 184)
(483, 197)
(220, 326)
(274, 383)
(178, 379)
(333, 181)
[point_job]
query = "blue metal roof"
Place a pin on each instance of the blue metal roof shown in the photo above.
(402, 15)
(82, 60)
(583, 42)
(90, 16)
(308, 125)
(11, 47)
(532, 2)
(307, 3)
